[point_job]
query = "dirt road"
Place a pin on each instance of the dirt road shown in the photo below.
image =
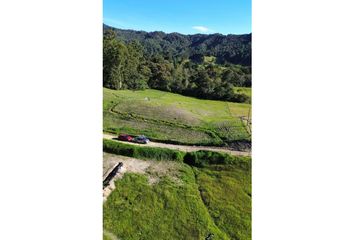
(181, 147)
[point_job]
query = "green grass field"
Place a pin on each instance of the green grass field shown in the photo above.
(215, 199)
(172, 117)
(226, 191)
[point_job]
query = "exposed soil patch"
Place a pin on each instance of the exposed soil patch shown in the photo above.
(154, 170)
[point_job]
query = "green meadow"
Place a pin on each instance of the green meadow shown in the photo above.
(165, 116)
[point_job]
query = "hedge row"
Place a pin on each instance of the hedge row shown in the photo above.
(200, 158)
(204, 158)
(155, 153)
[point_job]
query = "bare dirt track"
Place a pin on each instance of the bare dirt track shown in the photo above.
(181, 147)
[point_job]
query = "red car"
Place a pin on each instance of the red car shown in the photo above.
(125, 137)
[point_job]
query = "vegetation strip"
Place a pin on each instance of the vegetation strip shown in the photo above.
(198, 158)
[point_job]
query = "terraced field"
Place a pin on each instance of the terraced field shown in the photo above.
(174, 118)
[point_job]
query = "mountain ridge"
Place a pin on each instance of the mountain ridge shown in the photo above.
(230, 48)
(106, 26)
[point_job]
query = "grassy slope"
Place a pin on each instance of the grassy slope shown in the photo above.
(226, 191)
(167, 116)
(166, 210)
(214, 199)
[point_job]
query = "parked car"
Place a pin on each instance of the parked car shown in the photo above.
(125, 137)
(141, 139)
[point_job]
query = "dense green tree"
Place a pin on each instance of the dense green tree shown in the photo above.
(197, 65)
(161, 77)
(204, 84)
(114, 57)
(123, 64)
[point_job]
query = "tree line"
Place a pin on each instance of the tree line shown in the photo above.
(132, 65)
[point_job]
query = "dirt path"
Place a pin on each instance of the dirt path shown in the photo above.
(182, 147)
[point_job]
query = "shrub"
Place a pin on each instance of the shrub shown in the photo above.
(241, 98)
(203, 158)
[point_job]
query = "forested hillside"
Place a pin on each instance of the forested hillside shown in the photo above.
(200, 65)
(235, 49)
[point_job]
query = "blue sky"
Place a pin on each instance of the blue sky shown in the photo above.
(183, 16)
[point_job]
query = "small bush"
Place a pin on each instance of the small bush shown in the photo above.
(241, 98)
(203, 158)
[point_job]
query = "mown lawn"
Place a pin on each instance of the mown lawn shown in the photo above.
(168, 116)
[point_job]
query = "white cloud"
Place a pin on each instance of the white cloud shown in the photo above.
(201, 29)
